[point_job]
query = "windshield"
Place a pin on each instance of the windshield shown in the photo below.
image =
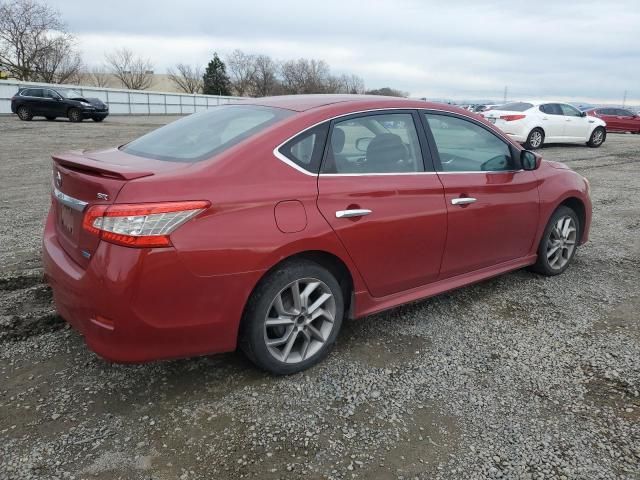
(202, 135)
(67, 93)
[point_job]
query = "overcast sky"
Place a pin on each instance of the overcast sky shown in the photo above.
(572, 50)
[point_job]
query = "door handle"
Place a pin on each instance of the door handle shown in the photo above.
(356, 212)
(462, 201)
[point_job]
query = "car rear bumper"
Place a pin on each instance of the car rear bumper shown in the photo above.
(137, 305)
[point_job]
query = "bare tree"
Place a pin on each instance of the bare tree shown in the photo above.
(305, 76)
(242, 69)
(135, 73)
(352, 84)
(265, 79)
(34, 41)
(59, 64)
(387, 91)
(186, 78)
(98, 77)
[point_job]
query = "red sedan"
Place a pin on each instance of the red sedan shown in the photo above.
(618, 119)
(263, 224)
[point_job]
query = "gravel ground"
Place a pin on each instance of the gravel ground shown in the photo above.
(518, 377)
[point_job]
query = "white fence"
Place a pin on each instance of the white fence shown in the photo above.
(125, 102)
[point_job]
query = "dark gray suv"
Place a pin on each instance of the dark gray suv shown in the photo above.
(51, 103)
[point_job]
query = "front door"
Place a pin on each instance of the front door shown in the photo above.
(576, 124)
(492, 204)
(383, 201)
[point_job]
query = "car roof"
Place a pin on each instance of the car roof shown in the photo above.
(302, 103)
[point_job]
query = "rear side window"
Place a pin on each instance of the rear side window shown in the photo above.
(203, 135)
(305, 150)
(377, 143)
(32, 92)
(551, 109)
(515, 107)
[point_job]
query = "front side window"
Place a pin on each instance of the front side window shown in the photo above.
(569, 111)
(305, 150)
(51, 94)
(378, 143)
(203, 135)
(464, 146)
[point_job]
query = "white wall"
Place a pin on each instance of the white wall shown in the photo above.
(125, 102)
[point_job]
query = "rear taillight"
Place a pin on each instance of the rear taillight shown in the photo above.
(511, 118)
(142, 224)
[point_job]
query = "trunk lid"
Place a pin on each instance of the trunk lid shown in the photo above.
(83, 179)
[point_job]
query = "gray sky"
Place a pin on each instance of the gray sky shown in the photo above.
(571, 50)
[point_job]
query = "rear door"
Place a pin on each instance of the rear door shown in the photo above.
(492, 204)
(627, 120)
(552, 122)
(378, 191)
(35, 101)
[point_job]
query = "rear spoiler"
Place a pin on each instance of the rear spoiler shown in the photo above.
(78, 161)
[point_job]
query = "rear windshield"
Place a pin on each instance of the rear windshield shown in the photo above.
(202, 135)
(515, 107)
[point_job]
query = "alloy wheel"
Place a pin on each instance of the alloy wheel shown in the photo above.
(561, 242)
(597, 137)
(536, 139)
(299, 320)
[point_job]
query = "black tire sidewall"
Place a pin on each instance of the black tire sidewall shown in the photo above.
(542, 265)
(252, 328)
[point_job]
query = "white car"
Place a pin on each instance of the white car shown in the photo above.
(535, 123)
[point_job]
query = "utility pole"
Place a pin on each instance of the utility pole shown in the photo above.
(624, 98)
(506, 89)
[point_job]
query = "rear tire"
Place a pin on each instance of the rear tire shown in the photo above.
(24, 113)
(292, 318)
(559, 242)
(535, 139)
(74, 115)
(51, 119)
(598, 136)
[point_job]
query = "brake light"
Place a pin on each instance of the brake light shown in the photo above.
(142, 224)
(511, 118)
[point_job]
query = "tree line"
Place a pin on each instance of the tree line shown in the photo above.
(35, 45)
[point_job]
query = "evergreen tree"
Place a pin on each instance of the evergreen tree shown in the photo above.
(215, 78)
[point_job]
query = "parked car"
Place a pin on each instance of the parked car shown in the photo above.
(52, 103)
(537, 123)
(263, 224)
(617, 119)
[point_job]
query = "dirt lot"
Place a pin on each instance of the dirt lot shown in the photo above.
(518, 377)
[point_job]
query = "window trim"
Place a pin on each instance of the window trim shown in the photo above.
(292, 163)
(436, 155)
(423, 134)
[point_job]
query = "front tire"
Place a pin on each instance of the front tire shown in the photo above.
(74, 115)
(292, 318)
(559, 242)
(535, 139)
(24, 113)
(597, 138)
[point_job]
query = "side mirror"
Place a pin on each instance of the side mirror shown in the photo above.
(529, 160)
(583, 114)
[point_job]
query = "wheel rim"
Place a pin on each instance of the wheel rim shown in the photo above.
(23, 112)
(75, 115)
(536, 139)
(561, 242)
(597, 137)
(299, 320)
